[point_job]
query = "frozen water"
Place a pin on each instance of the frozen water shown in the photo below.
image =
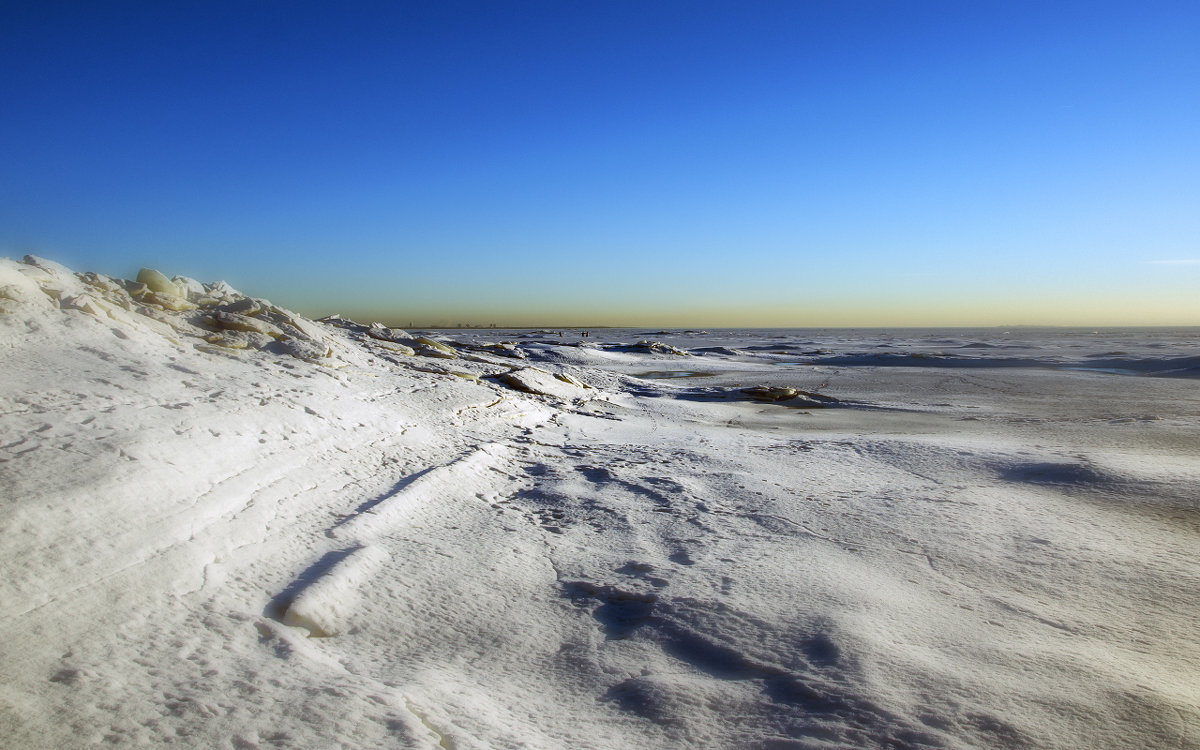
(325, 538)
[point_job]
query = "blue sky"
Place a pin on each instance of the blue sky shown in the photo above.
(652, 163)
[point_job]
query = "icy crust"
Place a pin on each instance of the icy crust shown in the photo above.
(213, 317)
(217, 319)
(169, 477)
(527, 544)
(1166, 352)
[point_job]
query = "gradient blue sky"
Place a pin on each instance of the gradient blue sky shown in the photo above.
(732, 163)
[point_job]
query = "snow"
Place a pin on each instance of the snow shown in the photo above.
(322, 600)
(326, 537)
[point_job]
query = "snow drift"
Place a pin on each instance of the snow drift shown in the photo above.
(226, 525)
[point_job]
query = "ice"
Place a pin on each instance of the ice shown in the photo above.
(235, 322)
(537, 381)
(156, 282)
(431, 348)
(189, 288)
(232, 526)
(18, 288)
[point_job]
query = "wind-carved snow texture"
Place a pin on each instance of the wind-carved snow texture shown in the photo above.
(225, 525)
(468, 474)
(323, 597)
(323, 605)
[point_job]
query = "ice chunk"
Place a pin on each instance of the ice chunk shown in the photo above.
(167, 301)
(87, 303)
(794, 396)
(234, 322)
(304, 349)
(771, 393)
(17, 288)
(222, 289)
(383, 333)
(49, 269)
(229, 339)
(156, 282)
(570, 380)
(658, 347)
(407, 351)
(533, 380)
(244, 306)
(431, 348)
(55, 280)
(190, 288)
(106, 284)
(502, 348)
(302, 325)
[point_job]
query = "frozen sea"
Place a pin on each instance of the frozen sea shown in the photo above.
(1162, 351)
(227, 526)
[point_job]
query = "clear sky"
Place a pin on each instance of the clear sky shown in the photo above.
(648, 162)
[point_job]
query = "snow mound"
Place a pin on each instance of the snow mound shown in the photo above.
(325, 605)
(215, 318)
(542, 383)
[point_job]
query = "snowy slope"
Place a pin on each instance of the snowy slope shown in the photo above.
(265, 531)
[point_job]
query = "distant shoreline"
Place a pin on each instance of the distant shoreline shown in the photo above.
(1027, 327)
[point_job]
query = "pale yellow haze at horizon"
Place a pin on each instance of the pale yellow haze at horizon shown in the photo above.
(1170, 308)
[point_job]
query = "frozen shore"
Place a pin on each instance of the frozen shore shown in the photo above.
(225, 525)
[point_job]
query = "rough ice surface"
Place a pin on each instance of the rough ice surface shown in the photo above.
(159, 283)
(220, 537)
(534, 380)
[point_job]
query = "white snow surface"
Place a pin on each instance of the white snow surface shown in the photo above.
(216, 537)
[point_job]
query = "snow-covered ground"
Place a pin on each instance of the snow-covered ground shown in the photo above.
(226, 526)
